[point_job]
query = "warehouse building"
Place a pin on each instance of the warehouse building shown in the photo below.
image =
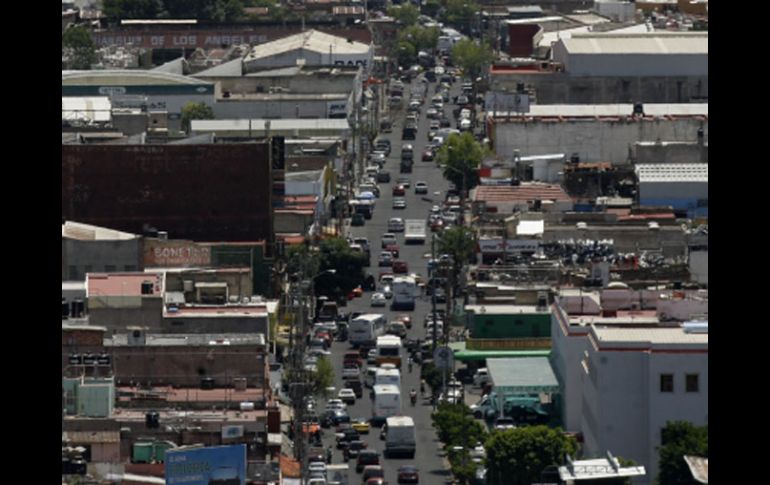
(683, 186)
(311, 48)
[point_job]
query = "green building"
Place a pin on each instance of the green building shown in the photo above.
(509, 321)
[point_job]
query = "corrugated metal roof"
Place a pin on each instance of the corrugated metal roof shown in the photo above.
(312, 40)
(642, 43)
(88, 232)
(232, 68)
(125, 77)
(672, 172)
(526, 373)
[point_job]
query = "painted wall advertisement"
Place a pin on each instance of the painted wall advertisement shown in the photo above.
(175, 254)
(212, 465)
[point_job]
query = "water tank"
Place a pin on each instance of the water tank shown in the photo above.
(247, 406)
(542, 300)
(147, 287)
(104, 359)
(75, 359)
(207, 383)
(152, 420)
(89, 359)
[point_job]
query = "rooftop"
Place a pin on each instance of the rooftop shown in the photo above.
(122, 284)
(672, 172)
(97, 109)
(504, 309)
(659, 43)
(222, 311)
(275, 125)
(608, 338)
(311, 40)
(125, 77)
(530, 228)
(608, 110)
(522, 193)
(173, 340)
(87, 232)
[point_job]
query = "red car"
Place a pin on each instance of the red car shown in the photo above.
(399, 190)
(436, 225)
(400, 267)
(428, 155)
(393, 248)
(406, 320)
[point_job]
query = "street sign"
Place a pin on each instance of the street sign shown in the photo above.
(443, 358)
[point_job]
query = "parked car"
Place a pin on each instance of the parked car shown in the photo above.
(504, 423)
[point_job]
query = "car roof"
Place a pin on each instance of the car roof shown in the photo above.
(407, 468)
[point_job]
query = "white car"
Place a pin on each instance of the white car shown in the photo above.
(505, 423)
(481, 377)
(335, 405)
(421, 188)
(378, 299)
(396, 224)
(347, 396)
(387, 292)
(318, 467)
(399, 203)
(389, 238)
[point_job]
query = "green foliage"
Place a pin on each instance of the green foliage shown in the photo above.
(132, 9)
(456, 428)
(518, 456)
(77, 42)
(406, 53)
(195, 111)
(301, 259)
(323, 377)
(471, 57)
(413, 39)
(461, 13)
(405, 14)
(460, 157)
(431, 374)
(335, 253)
(431, 7)
(462, 466)
(680, 438)
(460, 243)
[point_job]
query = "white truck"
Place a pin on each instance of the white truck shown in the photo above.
(415, 231)
(400, 437)
(404, 293)
(387, 402)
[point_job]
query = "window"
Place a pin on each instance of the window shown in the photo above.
(73, 272)
(129, 268)
(88, 269)
(667, 383)
(691, 382)
(109, 268)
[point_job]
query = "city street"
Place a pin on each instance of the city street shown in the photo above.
(428, 459)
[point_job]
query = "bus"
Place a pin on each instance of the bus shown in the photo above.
(404, 293)
(364, 329)
(388, 350)
(387, 376)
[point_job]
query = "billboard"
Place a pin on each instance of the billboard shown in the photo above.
(175, 254)
(212, 465)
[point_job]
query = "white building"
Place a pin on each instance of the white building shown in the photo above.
(310, 48)
(621, 383)
(680, 185)
(645, 54)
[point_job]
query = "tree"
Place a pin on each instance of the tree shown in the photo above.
(323, 377)
(680, 438)
(431, 7)
(518, 456)
(79, 47)
(302, 261)
(460, 243)
(471, 57)
(132, 9)
(460, 157)
(432, 376)
(195, 111)
(405, 14)
(461, 14)
(335, 253)
(459, 432)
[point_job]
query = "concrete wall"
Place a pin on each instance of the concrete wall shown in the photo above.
(594, 140)
(567, 350)
(215, 324)
(303, 83)
(258, 109)
(683, 152)
(673, 190)
(289, 222)
(699, 266)
(130, 123)
(626, 239)
(238, 284)
(81, 257)
(116, 316)
(564, 88)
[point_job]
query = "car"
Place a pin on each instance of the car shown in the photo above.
(445, 96)
(503, 423)
(405, 181)
(445, 122)
(436, 224)
(347, 396)
(336, 404)
(421, 188)
(383, 145)
(357, 220)
(400, 267)
(383, 177)
(405, 319)
(428, 155)
(371, 356)
(387, 290)
(346, 436)
(399, 203)
(352, 358)
(378, 299)
(385, 259)
(386, 278)
(408, 474)
(348, 371)
(440, 295)
(356, 385)
(435, 125)
(373, 471)
(395, 224)
(481, 377)
(462, 100)
(396, 328)
(452, 396)
(317, 467)
(367, 457)
(394, 250)
(361, 425)
(339, 416)
(354, 448)
(388, 238)
(398, 190)
(316, 481)
(431, 112)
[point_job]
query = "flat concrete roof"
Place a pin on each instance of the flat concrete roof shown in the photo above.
(504, 309)
(172, 340)
(646, 338)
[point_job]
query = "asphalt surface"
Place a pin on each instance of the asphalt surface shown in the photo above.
(429, 458)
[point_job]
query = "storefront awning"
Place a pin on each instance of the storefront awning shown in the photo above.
(464, 355)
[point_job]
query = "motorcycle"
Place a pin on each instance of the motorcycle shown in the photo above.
(413, 397)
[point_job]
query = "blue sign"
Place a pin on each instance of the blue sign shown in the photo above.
(213, 465)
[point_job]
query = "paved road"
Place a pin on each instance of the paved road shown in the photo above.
(428, 458)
